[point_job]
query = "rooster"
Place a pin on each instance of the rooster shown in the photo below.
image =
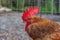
(40, 28)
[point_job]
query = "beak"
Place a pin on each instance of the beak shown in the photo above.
(32, 16)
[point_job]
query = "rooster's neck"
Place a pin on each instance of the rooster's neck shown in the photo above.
(27, 24)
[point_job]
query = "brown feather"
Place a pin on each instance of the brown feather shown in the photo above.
(41, 27)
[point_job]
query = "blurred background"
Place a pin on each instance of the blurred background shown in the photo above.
(46, 6)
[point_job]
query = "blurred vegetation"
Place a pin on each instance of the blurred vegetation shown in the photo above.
(45, 6)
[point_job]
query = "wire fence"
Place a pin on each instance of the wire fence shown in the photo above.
(46, 6)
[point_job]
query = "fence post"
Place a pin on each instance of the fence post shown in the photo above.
(39, 7)
(52, 7)
(59, 6)
(11, 4)
(0, 3)
(17, 5)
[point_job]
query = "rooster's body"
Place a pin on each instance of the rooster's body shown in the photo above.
(40, 28)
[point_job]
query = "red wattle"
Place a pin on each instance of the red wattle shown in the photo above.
(27, 24)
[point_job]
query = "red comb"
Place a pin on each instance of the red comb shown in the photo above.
(27, 13)
(34, 11)
(30, 11)
(31, 8)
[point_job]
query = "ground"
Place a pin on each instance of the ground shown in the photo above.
(12, 27)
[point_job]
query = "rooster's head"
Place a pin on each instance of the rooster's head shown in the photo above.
(29, 13)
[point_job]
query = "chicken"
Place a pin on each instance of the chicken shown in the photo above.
(40, 28)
